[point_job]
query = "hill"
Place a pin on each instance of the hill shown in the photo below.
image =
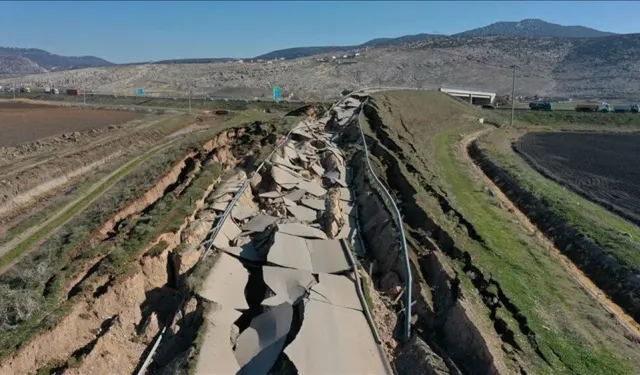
(33, 60)
(535, 27)
(599, 68)
(526, 27)
(298, 52)
(19, 65)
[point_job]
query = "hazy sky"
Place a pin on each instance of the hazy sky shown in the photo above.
(128, 31)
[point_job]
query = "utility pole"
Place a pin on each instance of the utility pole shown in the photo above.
(84, 96)
(513, 95)
(189, 96)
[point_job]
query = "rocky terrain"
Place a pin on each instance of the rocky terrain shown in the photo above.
(578, 67)
(594, 68)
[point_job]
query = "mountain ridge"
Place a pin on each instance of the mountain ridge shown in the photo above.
(46, 61)
(535, 27)
(527, 27)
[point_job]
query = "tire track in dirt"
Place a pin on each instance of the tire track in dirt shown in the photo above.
(38, 159)
(33, 231)
(626, 321)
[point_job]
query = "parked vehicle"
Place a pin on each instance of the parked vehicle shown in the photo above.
(73, 92)
(25, 89)
(55, 91)
(606, 108)
(587, 108)
(622, 108)
(541, 106)
(47, 90)
(635, 108)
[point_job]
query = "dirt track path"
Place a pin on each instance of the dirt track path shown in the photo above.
(623, 318)
(36, 233)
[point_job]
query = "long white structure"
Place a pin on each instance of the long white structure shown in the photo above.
(474, 97)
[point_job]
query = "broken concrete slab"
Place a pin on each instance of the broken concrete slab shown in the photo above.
(259, 223)
(317, 169)
(260, 345)
(271, 194)
(312, 188)
(242, 212)
(340, 341)
(216, 354)
(316, 204)
(347, 207)
(282, 176)
(288, 284)
(220, 206)
(290, 251)
(226, 282)
(228, 232)
(279, 160)
(246, 251)
(290, 151)
(337, 290)
(301, 230)
(288, 202)
(348, 230)
(334, 178)
(303, 213)
(346, 195)
(296, 195)
(328, 256)
(289, 186)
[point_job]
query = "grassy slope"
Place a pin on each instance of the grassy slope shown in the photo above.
(572, 331)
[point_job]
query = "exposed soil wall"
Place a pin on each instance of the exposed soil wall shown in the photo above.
(620, 282)
(118, 309)
(446, 336)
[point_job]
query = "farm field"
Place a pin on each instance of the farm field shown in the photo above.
(524, 305)
(181, 102)
(25, 122)
(602, 167)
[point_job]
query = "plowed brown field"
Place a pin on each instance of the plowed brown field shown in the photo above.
(25, 122)
(602, 167)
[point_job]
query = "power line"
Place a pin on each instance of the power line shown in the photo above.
(513, 95)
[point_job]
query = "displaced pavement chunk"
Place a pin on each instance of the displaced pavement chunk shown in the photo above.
(216, 354)
(335, 340)
(226, 282)
(259, 346)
